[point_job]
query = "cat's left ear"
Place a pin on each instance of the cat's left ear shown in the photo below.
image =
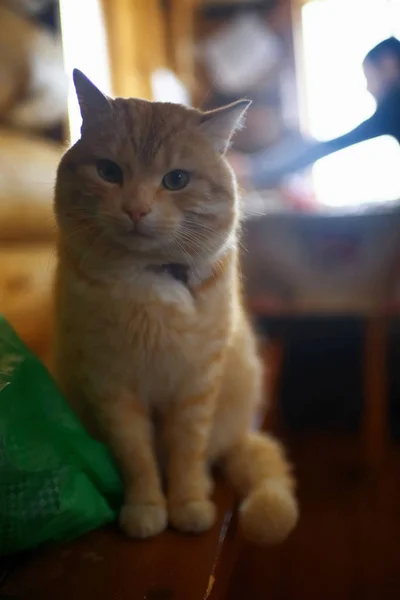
(219, 125)
(92, 101)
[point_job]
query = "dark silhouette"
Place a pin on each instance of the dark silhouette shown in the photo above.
(382, 71)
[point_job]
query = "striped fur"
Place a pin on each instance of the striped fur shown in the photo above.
(167, 374)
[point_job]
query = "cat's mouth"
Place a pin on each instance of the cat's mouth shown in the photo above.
(136, 233)
(139, 240)
(144, 238)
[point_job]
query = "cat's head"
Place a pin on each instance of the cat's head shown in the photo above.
(148, 178)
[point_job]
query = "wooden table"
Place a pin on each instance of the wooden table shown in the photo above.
(105, 565)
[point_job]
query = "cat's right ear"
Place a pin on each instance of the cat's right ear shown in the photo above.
(219, 125)
(92, 101)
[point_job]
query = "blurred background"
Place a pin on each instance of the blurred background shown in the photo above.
(320, 261)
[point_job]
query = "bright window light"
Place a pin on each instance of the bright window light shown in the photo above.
(166, 87)
(337, 34)
(85, 47)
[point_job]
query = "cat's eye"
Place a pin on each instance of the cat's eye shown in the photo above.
(109, 171)
(176, 180)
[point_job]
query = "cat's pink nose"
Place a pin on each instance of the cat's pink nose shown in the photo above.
(136, 215)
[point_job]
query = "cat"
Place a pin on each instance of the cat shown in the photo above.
(153, 347)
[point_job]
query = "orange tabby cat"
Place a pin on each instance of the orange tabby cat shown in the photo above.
(153, 346)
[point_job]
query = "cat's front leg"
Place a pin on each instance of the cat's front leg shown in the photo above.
(127, 428)
(188, 427)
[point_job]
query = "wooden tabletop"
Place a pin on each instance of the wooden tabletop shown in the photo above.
(105, 565)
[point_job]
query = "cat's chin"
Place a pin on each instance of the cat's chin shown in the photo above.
(164, 248)
(142, 243)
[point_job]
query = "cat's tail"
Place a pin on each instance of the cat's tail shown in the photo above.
(260, 473)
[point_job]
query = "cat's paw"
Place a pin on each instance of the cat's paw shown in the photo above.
(193, 517)
(143, 520)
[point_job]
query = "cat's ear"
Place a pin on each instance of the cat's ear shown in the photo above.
(219, 125)
(91, 100)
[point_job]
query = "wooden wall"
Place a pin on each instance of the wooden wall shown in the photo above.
(145, 35)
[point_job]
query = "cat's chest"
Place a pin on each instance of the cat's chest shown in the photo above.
(159, 320)
(158, 302)
(167, 338)
(151, 336)
(156, 338)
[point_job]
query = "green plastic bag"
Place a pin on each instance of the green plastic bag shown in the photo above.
(56, 482)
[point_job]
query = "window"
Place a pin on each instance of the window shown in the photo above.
(85, 48)
(336, 35)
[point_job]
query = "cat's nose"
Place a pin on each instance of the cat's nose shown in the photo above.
(136, 215)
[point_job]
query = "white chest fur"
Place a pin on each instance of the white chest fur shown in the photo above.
(149, 334)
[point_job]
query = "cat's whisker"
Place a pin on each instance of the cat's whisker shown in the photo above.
(51, 258)
(202, 242)
(218, 265)
(191, 262)
(198, 227)
(194, 246)
(198, 237)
